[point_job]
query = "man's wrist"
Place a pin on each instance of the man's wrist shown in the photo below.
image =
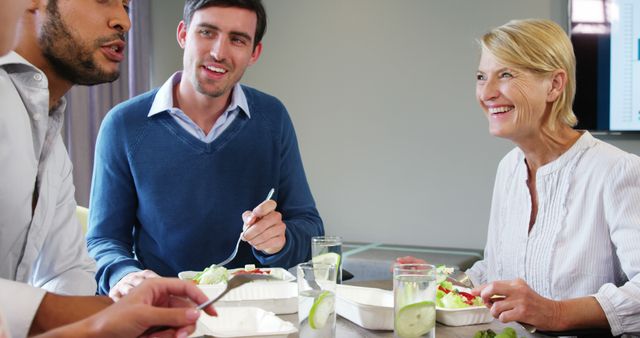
(55, 311)
(81, 329)
(39, 323)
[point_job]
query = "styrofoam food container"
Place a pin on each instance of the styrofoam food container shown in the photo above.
(466, 316)
(279, 274)
(243, 322)
(279, 296)
(373, 309)
(369, 308)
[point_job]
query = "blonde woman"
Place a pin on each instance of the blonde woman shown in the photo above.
(565, 216)
(562, 248)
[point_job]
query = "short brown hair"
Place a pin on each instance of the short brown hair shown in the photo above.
(191, 6)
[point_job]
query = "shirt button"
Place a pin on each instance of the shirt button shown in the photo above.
(37, 116)
(37, 77)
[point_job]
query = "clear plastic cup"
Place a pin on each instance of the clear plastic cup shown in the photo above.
(316, 300)
(414, 300)
(328, 250)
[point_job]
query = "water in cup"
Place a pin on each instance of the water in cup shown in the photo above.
(316, 300)
(328, 250)
(316, 309)
(414, 291)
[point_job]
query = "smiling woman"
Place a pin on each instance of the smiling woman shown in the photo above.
(566, 207)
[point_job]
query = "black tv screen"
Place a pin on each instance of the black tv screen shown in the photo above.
(606, 40)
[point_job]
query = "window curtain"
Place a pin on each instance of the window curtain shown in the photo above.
(87, 106)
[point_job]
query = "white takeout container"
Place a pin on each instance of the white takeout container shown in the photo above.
(279, 274)
(277, 296)
(462, 317)
(369, 308)
(372, 309)
(466, 316)
(243, 322)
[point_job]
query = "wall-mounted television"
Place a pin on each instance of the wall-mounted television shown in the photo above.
(606, 39)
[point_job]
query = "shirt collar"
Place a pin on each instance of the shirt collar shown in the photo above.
(583, 143)
(13, 58)
(16, 64)
(163, 101)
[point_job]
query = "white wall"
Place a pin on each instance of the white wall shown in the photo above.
(166, 54)
(382, 96)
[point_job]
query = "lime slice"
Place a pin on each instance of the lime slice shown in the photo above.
(330, 258)
(321, 309)
(327, 258)
(415, 320)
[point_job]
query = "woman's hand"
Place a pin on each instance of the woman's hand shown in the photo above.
(410, 260)
(514, 300)
(407, 260)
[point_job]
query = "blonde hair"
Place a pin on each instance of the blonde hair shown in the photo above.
(540, 46)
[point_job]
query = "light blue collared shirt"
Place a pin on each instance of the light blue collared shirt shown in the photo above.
(163, 102)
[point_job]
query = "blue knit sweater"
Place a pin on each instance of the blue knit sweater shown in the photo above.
(163, 200)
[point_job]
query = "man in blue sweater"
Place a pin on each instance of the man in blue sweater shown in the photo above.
(177, 168)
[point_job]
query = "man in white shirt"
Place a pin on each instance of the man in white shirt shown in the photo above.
(38, 231)
(41, 241)
(12, 11)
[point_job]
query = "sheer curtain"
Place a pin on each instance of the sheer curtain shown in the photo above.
(87, 106)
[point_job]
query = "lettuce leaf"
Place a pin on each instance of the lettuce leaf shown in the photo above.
(447, 285)
(212, 275)
(453, 301)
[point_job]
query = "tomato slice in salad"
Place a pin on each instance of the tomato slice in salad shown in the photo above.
(443, 289)
(256, 271)
(468, 296)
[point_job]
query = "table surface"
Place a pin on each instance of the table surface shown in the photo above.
(347, 329)
(372, 261)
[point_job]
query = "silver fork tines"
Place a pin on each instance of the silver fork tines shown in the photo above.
(233, 254)
(233, 283)
(235, 250)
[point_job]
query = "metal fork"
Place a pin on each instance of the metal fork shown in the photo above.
(460, 278)
(235, 250)
(311, 280)
(233, 283)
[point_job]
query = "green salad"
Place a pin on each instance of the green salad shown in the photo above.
(506, 333)
(219, 274)
(449, 297)
(212, 275)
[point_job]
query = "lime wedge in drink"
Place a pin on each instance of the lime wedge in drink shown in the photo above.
(321, 309)
(327, 258)
(330, 258)
(415, 320)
